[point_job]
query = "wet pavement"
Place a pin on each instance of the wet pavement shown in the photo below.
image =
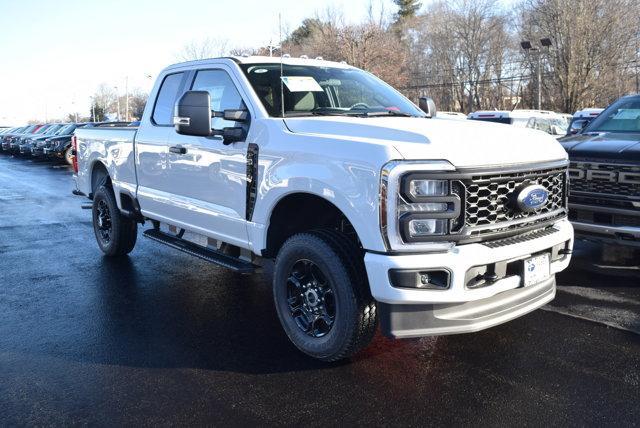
(163, 338)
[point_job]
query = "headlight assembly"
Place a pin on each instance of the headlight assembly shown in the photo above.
(420, 206)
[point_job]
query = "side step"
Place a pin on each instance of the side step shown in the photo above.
(201, 252)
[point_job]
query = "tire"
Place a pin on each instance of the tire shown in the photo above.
(68, 155)
(337, 297)
(116, 234)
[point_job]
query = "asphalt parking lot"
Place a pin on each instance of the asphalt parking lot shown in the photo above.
(162, 338)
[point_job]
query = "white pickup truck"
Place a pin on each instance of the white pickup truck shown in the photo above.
(374, 210)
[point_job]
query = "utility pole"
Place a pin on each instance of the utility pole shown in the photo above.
(118, 101)
(126, 91)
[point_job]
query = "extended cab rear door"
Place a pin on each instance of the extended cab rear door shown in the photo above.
(152, 147)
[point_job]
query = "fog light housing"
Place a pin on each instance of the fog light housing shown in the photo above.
(427, 279)
(420, 227)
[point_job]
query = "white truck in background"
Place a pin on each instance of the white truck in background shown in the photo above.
(374, 211)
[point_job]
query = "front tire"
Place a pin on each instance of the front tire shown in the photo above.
(322, 295)
(116, 234)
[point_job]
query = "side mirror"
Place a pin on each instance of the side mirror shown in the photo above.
(427, 105)
(193, 114)
(577, 126)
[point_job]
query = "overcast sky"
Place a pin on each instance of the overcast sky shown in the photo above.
(53, 54)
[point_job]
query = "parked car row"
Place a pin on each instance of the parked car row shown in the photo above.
(45, 141)
(556, 124)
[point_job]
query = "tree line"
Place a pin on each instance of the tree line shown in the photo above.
(467, 54)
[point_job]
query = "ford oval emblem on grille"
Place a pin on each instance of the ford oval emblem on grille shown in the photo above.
(532, 198)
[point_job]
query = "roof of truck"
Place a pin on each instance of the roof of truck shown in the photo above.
(256, 59)
(588, 112)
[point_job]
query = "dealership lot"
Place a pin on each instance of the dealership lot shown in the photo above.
(160, 337)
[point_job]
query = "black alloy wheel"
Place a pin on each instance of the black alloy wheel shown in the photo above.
(311, 299)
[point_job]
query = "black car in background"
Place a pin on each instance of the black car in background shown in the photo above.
(27, 143)
(8, 138)
(604, 175)
(48, 141)
(14, 147)
(58, 146)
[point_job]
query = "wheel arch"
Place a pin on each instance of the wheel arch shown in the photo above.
(99, 172)
(311, 211)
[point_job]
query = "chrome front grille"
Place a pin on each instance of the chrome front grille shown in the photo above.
(489, 200)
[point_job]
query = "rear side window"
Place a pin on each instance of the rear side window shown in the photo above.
(163, 110)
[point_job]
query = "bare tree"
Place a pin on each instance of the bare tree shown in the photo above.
(462, 49)
(204, 48)
(594, 43)
(371, 45)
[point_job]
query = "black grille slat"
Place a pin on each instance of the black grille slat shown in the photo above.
(520, 238)
(605, 187)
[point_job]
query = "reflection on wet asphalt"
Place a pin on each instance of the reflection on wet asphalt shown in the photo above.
(160, 337)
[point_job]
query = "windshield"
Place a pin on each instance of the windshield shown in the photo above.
(311, 90)
(553, 126)
(52, 129)
(66, 130)
(621, 116)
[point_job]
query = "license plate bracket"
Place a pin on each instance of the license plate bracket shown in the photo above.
(536, 269)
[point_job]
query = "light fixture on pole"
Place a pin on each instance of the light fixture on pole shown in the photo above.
(528, 47)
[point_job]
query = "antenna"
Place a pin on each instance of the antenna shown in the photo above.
(281, 68)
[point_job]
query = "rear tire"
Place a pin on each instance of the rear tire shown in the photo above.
(116, 234)
(68, 155)
(322, 295)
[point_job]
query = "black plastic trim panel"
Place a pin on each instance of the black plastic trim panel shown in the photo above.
(252, 179)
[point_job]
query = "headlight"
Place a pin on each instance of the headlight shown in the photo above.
(421, 208)
(425, 188)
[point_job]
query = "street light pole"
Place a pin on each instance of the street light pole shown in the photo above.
(526, 45)
(118, 101)
(539, 81)
(126, 90)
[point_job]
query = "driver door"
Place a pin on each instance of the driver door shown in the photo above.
(208, 179)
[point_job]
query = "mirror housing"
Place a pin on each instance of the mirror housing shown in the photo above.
(577, 126)
(192, 114)
(428, 106)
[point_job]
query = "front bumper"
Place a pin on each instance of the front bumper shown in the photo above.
(406, 321)
(491, 304)
(53, 152)
(620, 235)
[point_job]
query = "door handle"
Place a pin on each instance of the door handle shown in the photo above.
(179, 150)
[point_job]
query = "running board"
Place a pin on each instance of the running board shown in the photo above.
(201, 252)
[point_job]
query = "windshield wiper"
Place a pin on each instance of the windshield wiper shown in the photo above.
(388, 113)
(335, 112)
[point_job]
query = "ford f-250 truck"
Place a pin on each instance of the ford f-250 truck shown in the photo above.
(374, 211)
(605, 175)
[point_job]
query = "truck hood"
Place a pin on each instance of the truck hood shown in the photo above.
(603, 146)
(463, 143)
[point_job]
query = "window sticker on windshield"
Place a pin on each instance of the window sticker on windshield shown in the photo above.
(301, 84)
(627, 114)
